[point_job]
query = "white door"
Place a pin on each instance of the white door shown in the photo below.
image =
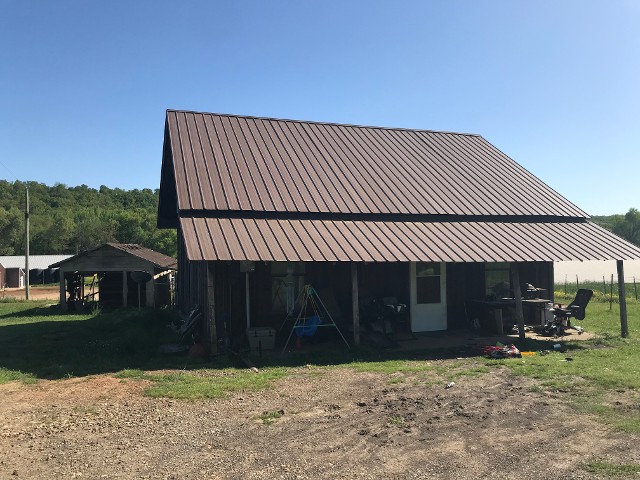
(428, 296)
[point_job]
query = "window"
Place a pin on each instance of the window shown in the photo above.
(497, 280)
(427, 282)
(287, 280)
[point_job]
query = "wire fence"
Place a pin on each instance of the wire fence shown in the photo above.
(605, 291)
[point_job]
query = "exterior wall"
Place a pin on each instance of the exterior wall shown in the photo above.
(3, 277)
(220, 289)
(14, 278)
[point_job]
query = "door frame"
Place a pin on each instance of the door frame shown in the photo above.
(428, 317)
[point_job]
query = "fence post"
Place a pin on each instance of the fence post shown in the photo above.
(611, 294)
(604, 286)
(635, 289)
(622, 299)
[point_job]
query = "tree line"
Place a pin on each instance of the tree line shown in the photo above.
(68, 220)
(627, 225)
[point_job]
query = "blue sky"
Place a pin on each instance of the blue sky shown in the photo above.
(555, 85)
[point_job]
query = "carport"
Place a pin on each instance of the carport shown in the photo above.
(121, 271)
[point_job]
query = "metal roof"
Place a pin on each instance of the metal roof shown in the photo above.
(250, 188)
(160, 260)
(214, 162)
(390, 241)
(40, 262)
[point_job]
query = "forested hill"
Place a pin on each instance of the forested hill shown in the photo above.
(66, 220)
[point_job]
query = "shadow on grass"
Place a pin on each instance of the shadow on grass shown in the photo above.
(42, 311)
(429, 350)
(57, 346)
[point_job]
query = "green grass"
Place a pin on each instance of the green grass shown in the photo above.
(204, 383)
(7, 375)
(396, 420)
(186, 385)
(599, 370)
(269, 418)
(37, 341)
(567, 293)
(391, 366)
(613, 469)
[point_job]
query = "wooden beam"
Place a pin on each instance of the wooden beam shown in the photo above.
(517, 295)
(354, 303)
(622, 294)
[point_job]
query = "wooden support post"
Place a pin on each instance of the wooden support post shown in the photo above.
(63, 291)
(551, 282)
(125, 289)
(150, 286)
(211, 307)
(247, 298)
(623, 300)
(515, 279)
(354, 303)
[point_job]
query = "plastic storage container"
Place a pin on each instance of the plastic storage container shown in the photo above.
(261, 337)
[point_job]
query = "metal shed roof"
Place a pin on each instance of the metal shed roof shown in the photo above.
(214, 162)
(35, 261)
(158, 259)
(390, 241)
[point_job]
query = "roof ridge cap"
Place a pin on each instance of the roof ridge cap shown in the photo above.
(315, 122)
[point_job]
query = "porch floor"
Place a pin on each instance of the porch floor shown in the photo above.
(448, 344)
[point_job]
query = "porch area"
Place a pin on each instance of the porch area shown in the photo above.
(373, 303)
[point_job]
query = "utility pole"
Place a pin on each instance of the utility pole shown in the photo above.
(26, 250)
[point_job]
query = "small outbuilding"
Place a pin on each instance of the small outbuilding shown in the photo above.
(39, 271)
(124, 275)
(3, 274)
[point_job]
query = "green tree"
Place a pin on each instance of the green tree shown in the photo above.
(11, 231)
(68, 219)
(628, 227)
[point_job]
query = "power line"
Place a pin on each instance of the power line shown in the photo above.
(9, 170)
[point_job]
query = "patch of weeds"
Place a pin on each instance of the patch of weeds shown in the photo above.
(86, 409)
(12, 300)
(269, 418)
(617, 416)
(133, 373)
(395, 380)
(391, 366)
(211, 384)
(468, 372)
(612, 469)
(7, 376)
(396, 420)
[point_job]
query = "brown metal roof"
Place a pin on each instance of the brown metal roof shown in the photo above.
(391, 241)
(158, 259)
(224, 163)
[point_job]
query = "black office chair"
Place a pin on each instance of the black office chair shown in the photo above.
(562, 315)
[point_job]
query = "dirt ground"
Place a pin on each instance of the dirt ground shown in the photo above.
(336, 423)
(35, 293)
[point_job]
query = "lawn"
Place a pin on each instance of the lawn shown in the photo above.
(38, 342)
